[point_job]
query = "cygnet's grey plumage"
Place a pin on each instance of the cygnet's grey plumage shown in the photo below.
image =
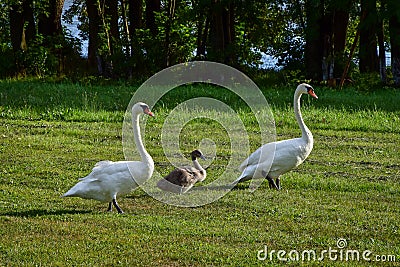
(182, 179)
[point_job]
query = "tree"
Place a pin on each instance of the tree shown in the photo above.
(139, 37)
(171, 6)
(22, 31)
(368, 43)
(202, 16)
(49, 20)
(49, 26)
(152, 7)
(314, 39)
(394, 32)
(111, 15)
(222, 32)
(341, 16)
(135, 25)
(94, 57)
(325, 36)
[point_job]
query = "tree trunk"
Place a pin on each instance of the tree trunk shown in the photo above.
(111, 13)
(203, 18)
(135, 16)
(135, 23)
(203, 26)
(326, 33)
(368, 45)
(22, 31)
(229, 28)
(217, 32)
(222, 32)
(313, 47)
(125, 27)
(49, 25)
(394, 32)
(168, 25)
(49, 22)
(382, 53)
(340, 23)
(94, 57)
(111, 18)
(152, 7)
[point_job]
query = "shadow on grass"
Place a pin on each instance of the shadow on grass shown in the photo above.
(43, 212)
(216, 187)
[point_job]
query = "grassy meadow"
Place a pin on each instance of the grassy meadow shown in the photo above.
(52, 133)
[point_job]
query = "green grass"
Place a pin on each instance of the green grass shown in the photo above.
(53, 133)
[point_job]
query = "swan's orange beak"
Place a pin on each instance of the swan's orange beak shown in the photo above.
(148, 112)
(311, 93)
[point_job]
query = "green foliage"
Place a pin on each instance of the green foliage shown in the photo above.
(7, 66)
(38, 60)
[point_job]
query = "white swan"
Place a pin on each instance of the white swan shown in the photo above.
(109, 179)
(182, 179)
(288, 153)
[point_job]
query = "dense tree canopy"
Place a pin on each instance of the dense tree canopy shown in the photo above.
(130, 38)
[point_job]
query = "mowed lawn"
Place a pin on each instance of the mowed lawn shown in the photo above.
(341, 204)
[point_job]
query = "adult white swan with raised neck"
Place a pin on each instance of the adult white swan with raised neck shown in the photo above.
(109, 179)
(288, 153)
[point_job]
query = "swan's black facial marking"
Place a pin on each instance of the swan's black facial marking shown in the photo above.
(309, 88)
(310, 91)
(146, 110)
(144, 107)
(197, 154)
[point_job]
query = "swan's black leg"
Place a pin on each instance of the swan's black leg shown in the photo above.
(109, 207)
(278, 184)
(272, 184)
(114, 201)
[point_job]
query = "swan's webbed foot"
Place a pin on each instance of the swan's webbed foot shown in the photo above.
(114, 201)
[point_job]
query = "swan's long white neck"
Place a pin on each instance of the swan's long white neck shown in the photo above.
(305, 132)
(146, 158)
(197, 165)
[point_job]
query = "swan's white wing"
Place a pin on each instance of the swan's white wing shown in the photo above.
(106, 180)
(97, 169)
(258, 162)
(288, 155)
(263, 154)
(103, 163)
(104, 168)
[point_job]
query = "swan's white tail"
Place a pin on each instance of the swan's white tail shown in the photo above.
(73, 192)
(243, 177)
